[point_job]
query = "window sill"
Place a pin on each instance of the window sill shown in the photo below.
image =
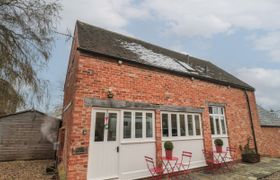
(182, 138)
(220, 136)
(138, 141)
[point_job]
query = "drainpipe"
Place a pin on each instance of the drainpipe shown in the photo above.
(251, 120)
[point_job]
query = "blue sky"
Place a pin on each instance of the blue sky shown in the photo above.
(242, 37)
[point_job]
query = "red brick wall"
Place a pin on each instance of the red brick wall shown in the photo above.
(269, 144)
(95, 75)
(68, 106)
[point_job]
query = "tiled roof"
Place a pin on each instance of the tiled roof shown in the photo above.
(26, 111)
(268, 118)
(93, 39)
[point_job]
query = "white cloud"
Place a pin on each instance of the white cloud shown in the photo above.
(189, 18)
(269, 43)
(111, 14)
(206, 18)
(267, 84)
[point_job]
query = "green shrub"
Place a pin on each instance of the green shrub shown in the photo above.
(246, 149)
(168, 145)
(218, 142)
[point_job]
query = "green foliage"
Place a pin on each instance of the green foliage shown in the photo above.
(246, 149)
(61, 172)
(218, 142)
(26, 36)
(168, 145)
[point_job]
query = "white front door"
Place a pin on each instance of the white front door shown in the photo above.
(104, 145)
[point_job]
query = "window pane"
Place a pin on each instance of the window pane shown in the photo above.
(217, 125)
(215, 110)
(174, 124)
(112, 127)
(210, 110)
(149, 125)
(99, 127)
(212, 125)
(190, 125)
(138, 125)
(182, 125)
(164, 119)
(197, 125)
(127, 125)
(222, 110)
(223, 125)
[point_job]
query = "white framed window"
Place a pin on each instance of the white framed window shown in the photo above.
(181, 125)
(217, 121)
(137, 126)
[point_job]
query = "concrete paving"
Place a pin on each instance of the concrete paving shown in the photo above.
(243, 171)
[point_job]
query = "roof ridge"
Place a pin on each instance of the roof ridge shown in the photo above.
(25, 111)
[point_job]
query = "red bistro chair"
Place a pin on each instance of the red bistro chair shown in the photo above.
(185, 163)
(231, 155)
(213, 164)
(156, 172)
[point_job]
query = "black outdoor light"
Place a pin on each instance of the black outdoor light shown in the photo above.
(110, 93)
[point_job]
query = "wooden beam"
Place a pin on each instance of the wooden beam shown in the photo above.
(119, 104)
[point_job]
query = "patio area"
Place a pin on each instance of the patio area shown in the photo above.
(268, 168)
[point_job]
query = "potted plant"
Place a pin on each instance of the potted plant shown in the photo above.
(248, 154)
(219, 144)
(168, 146)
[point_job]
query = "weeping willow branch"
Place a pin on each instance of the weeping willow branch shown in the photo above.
(26, 38)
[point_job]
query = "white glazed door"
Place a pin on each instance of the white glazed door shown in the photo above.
(104, 145)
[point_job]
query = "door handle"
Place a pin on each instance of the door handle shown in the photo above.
(118, 148)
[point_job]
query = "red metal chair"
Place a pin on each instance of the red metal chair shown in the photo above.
(213, 164)
(184, 164)
(156, 172)
(231, 156)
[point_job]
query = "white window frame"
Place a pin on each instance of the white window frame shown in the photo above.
(220, 116)
(179, 137)
(133, 139)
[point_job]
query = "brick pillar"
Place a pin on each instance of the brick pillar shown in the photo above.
(158, 137)
(206, 128)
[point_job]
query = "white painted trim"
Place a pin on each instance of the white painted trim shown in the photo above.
(143, 173)
(137, 171)
(179, 137)
(105, 178)
(133, 139)
(182, 138)
(219, 116)
(67, 107)
(138, 142)
(220, 136)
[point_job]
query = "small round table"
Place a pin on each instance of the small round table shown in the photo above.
(167, 164)
(221, 157)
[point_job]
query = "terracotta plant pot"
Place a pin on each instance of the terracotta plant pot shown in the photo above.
(219, 149)
(168, 154)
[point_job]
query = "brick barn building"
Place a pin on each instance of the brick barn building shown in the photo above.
(125, 97)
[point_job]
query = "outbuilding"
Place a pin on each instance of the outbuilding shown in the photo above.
(125, 97)
(28, 135)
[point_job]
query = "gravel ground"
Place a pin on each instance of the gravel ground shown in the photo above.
(25, 170)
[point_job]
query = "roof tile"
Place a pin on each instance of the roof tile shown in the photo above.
(98, 40)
